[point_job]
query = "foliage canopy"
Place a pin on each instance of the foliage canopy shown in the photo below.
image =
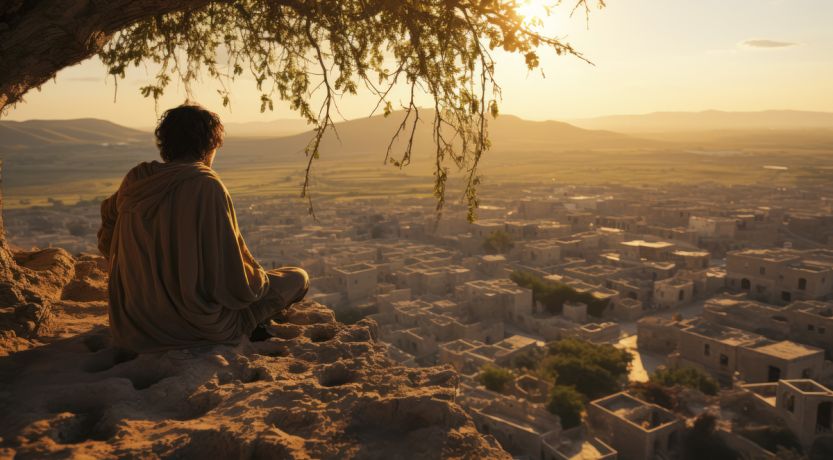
(593, 370)
(495, 378)
(686, 376)
(301, 52)
(498, 242)
(567, 404)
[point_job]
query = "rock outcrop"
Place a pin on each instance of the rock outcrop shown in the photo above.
(318, 389)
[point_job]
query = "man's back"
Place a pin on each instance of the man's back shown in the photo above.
(180, 272)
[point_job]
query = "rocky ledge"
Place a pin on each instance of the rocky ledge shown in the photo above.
(318, 389)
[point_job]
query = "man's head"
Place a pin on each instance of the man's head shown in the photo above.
(189, 133)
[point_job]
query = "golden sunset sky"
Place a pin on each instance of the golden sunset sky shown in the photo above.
(649, 55)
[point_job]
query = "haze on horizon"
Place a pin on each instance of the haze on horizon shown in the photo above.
(676, 55)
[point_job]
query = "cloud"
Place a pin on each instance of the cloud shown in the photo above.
(764, 43)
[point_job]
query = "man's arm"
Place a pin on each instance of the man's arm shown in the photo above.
(109, 213)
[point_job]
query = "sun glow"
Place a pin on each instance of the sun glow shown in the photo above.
(534, 11)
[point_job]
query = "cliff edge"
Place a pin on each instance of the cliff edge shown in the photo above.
(319, 389)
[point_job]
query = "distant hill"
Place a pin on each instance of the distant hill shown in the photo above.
(87, 158)
(41, 133)
(368, 138)
(273, 128)
(709, 120)
(41, 152)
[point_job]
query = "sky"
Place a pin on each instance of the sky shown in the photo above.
(648, 56)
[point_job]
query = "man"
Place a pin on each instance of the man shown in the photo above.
(180, 272)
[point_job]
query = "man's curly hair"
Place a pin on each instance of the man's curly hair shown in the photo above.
(188, 133)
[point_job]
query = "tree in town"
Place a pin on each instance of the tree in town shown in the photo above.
(498, 242)
(567, 404)
(495, 378)
(593, 370)
(686, 376)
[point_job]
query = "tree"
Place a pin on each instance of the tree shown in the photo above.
(495, 378)
(567, 404)
(300, 52)
(686, 376)
(593, 370)
(654, 393)
(498, 242)
(305, 53)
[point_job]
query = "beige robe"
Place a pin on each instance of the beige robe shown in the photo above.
(180, 272)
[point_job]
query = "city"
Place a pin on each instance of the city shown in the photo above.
(733, 281)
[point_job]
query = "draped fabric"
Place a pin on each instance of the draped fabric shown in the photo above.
(180, 272)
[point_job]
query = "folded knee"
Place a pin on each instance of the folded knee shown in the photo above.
(302, 278)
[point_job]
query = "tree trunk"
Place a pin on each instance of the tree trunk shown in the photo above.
(6, 261)
(39, 38)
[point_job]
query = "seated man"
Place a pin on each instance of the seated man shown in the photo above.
(180, 272)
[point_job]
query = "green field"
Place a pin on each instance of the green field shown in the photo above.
(351, 179)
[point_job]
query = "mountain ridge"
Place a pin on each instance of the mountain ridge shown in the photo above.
(707, 120)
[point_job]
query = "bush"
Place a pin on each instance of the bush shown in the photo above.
(686, 376)
(567, 404)
(529, 360)
(498, 242)
(654, 393)
(495, 378)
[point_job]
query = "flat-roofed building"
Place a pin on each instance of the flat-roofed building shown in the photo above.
(518, 425)
(781, 275)
(768, 320)
(540, 253)
(648, 250)
(772, 361)
(691, 260)
(576, 444)
(804, 404)
(811, 322)
(713, 227)
(635, 428)
(672, 293)
(357, 281)
(726, 352)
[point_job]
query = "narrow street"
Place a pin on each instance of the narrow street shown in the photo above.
(643, 362)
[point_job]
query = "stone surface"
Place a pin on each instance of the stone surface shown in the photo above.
(318, 389)
(89, 282)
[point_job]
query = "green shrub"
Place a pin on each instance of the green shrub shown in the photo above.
(686, 376)
(495, 378)
(498, 242)
(567, 404)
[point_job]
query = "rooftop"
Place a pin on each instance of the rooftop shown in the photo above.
(648, 244)
(770, 255)
(635, 411)
(728, 335)
(787, 349)
(516, 342)
(807, 386)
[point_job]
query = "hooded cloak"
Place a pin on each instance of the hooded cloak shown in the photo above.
(180, 272)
